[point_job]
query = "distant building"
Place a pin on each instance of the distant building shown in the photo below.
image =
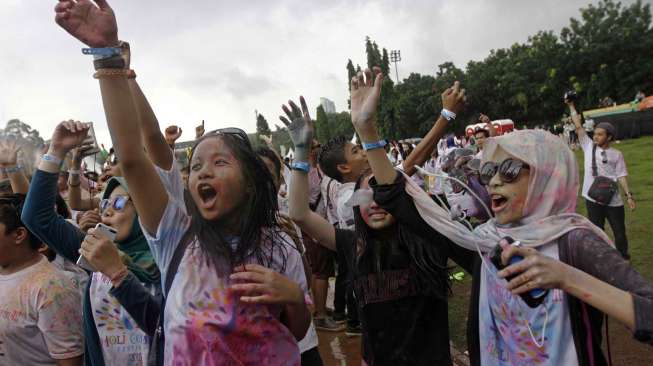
(328, 105)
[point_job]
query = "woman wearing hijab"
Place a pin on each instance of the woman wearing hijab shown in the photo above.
(533, 180)
(119, 306)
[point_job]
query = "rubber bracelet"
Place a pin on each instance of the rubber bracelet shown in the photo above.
(374, 145)
(14, 169)
(447, 114)
(300, 165)
(51, 159)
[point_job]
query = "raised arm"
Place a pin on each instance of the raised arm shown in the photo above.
(365, 96)
(38, 212)
(96, 26)
(453, 99)
(156, 145)
(301, 131)
(488, 124)
(76, 201)
(575, 117)
(9, 164)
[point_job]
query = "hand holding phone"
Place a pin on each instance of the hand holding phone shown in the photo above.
(103, 230)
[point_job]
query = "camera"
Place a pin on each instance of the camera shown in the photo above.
(570, 96)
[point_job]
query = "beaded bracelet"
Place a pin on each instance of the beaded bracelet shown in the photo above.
(108, 73)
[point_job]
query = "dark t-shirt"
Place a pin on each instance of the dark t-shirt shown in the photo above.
(401, 326)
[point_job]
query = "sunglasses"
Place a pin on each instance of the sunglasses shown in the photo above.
(508, 170)
(233, 131)
(117, 203)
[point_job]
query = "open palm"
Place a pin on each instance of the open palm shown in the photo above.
(8, 153)
(299, 123)
(365, 95)
(94, 25)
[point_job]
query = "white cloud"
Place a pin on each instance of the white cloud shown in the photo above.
(221, 60)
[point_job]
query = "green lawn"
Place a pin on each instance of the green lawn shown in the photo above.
(639, 160)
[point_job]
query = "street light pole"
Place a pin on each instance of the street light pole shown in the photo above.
(395, 56)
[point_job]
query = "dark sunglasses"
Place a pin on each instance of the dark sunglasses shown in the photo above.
(118, 203)
(508, 170)
(237, 132)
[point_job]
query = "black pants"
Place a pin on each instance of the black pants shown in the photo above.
(344, 293)
(311, 358)
(616, 217)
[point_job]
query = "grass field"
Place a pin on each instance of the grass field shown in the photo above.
(639, 160)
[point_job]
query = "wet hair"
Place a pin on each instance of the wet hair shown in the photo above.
(432, 276)
(332, 154)
(258, 232)
(266, 152)
(10, 210)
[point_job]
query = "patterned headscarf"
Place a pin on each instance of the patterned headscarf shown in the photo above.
(549, 210)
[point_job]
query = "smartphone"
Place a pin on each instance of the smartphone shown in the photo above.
(91, 142)
(106, 231)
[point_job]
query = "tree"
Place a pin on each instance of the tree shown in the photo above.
(262, 127)
(323, 131)
(29, 140)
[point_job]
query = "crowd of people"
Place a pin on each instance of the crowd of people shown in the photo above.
(226, 260)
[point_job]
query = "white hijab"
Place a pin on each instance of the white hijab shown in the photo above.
(549, 210)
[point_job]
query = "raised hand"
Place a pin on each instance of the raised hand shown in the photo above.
(365, 96)
(454, 98)
(94, 25)
(199, 131)
(300, 127)
(261, 285)
(266, 139)
(68, 135)
(484, 119)
(172, 134)
(8, 153)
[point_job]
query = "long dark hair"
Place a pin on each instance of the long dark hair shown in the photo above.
(425, 257)
(258, 233)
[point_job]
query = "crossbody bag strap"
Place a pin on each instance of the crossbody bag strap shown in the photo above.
(594, 168)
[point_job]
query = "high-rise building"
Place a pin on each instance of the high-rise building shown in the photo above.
(328, 105)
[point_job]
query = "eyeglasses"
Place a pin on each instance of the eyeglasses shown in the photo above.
(508, 170)
(237, 132)
(118, 203)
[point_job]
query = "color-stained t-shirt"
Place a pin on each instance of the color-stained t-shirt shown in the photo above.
(40, 316)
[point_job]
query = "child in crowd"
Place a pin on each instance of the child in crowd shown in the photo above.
(393, 270)
(237, 289)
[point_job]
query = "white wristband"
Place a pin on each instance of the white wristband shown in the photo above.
(447, 114)
(52, 159)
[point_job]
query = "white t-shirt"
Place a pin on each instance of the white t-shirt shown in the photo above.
(345, 213)
(122, 341)
(614, 169)
(330, 189)
(40, 316)
(74, 272)
(205, 322)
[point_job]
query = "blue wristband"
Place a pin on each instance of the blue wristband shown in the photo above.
(301, 165)
(447, 114)
(14, 169)
(374, 145)
(101, 52)
(52, 159)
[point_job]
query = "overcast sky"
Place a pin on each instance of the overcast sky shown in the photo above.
(222, 60)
